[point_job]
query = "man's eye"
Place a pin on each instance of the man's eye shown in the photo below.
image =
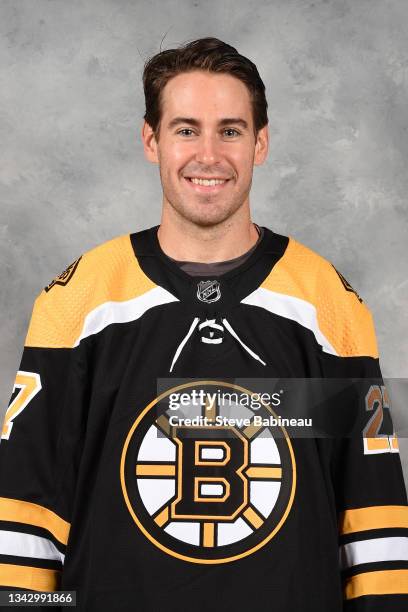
(232, 130)
(184, 130)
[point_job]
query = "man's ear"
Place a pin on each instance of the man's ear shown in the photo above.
(149, 143)
(261, 146)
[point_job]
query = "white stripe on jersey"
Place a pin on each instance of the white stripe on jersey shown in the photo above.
(290, 307)
(370, 551)
(123, 312)
(28, 545)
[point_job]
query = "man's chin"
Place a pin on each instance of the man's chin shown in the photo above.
(204, 213)
(207, 218)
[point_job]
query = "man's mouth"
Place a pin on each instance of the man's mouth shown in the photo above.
(205, 184)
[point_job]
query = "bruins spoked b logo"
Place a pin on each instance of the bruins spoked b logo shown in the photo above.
(207, 481)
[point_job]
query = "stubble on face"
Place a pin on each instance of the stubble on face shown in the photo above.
(202, 209)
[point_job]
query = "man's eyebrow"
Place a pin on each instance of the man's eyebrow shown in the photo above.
(196, 123)
(235, 120)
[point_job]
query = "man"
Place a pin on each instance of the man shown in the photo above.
(124, 475)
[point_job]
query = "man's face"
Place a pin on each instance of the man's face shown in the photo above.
(206, 132)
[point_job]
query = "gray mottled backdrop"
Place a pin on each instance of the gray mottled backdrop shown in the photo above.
(72, 170)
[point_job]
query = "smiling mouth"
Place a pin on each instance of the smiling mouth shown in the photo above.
(206, 184)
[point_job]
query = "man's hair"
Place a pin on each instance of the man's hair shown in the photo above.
(207, 54)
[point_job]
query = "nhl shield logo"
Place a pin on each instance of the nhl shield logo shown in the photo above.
(208, 291)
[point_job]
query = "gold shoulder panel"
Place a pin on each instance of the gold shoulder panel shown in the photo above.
(109, 272)
(342, 317)
(295, 273)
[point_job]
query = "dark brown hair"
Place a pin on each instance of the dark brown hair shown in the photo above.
(209, 54)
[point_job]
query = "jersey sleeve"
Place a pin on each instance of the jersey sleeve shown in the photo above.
(40, 447)
(370, 492)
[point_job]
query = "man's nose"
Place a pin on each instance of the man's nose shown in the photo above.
(208, 150)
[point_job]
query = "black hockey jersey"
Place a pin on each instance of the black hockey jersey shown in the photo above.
(123, 479)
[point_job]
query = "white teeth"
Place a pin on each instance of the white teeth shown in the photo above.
(208, 183)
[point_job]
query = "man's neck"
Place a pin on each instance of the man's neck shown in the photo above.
(190, 242)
